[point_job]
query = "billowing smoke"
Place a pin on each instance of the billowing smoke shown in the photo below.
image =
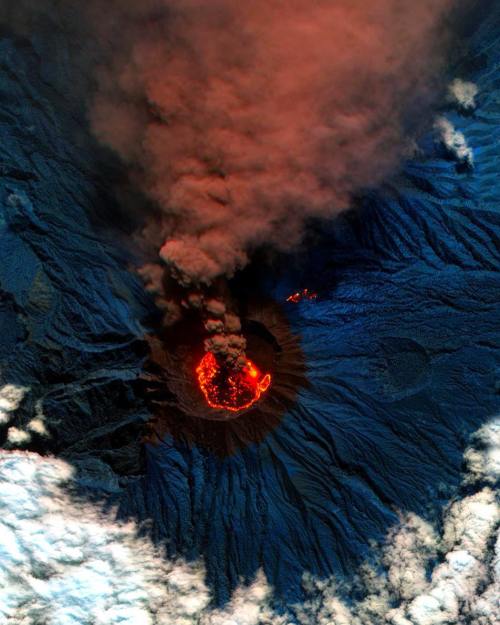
(241, 120)
(245, 119)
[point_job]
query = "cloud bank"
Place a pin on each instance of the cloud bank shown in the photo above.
(62, 562)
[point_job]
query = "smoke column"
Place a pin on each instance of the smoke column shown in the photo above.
(244, 119)
(240, 120)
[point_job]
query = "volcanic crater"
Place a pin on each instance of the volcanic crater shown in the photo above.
(177, 402)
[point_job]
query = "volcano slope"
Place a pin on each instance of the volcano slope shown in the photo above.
(401, 346)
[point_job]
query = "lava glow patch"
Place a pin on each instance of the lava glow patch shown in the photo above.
(298, 296)
(228, 389)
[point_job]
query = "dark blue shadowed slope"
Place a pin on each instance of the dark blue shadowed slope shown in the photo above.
(402, 350)
(402, 346)
(69, 309)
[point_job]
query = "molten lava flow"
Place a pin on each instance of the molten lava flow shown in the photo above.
(228, 389)
(298, 296)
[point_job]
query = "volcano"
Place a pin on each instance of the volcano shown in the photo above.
(375, 387)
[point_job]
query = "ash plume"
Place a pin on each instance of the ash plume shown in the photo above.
(240, 121)
(245, 119)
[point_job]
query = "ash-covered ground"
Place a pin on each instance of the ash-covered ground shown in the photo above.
(401, 347)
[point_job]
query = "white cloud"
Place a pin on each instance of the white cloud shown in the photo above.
(483, 457)
(454, 141)
(463, 93)
(63, 563)
(426, 578)
(11, 397)
(485, 607)
(37, 426)
(249, 605)
(17, 437)
(409, 548)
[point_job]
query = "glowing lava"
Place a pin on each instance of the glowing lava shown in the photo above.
(228, 389)
(298, 296)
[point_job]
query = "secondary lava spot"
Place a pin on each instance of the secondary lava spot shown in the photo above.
(230, 389)
(298, 296)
